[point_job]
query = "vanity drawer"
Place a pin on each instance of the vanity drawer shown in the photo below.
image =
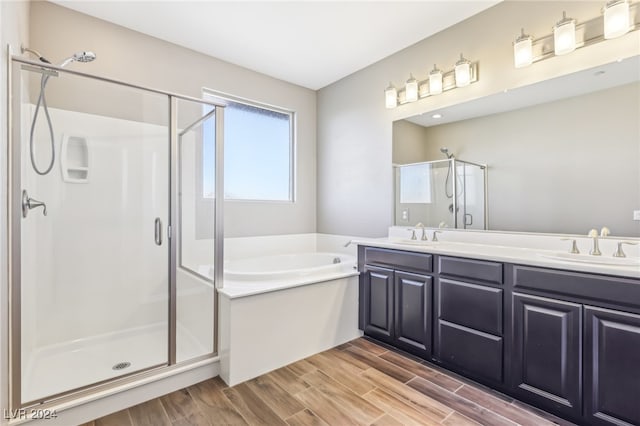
(491, 272)
(396, 259)
(599, 288)
(471, 305)
(472, 351)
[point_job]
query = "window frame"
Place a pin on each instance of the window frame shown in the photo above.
(225, 99)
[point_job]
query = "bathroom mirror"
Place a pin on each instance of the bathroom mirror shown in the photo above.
(562, 156)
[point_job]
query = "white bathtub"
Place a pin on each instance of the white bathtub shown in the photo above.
(286, 298)
(288, 266)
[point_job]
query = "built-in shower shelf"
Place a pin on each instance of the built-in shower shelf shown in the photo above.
(74, 159)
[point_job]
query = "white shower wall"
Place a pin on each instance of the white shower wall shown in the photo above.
(89, 278)
(91, 266)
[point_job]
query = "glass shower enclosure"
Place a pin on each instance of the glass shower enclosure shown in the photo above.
(103, 190)
(447, 193)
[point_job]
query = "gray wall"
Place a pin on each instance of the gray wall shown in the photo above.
(565, 166)
(409, 143)
(355, 182)
(127, 55)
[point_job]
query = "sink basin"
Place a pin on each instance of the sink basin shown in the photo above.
(587, 258)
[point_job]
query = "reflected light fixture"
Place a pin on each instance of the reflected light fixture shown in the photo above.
(391, 96)
(435, 81)
(463, 72)
(564, 35)
(523, 50)
(411, 89)
(616, 18)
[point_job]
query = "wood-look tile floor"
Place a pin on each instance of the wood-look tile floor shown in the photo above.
(357, 383)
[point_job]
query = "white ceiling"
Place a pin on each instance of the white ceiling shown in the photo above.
(309, 43)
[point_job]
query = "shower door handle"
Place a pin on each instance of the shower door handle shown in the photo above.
(158, 231)
(468, 219)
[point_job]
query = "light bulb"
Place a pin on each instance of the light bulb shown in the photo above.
(435, 81)
(391, 96)
(411, 89)
(463, 72)
(616, 19)
(523, 50)
(564, 35)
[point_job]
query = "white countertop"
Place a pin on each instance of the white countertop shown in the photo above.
(505, 253)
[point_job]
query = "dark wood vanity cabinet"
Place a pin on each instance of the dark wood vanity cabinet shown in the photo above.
(567, 342)
(396, 304)
(612, 367)
(412, 312)
(547, 353)
(468, 336)
(377, 303)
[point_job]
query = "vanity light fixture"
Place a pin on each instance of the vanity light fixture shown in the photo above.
(564, 35)
(618, 18)
(435, 81)
(523, 50)
(464, 73)
(391, 96)
(411, 89)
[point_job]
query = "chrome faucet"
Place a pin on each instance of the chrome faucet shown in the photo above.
(595, 251)
(574, 246)
(413, 233)
(423, 237)
(619, 252)
(29, 203)
(435, 236)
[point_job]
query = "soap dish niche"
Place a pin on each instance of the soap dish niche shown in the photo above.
(74, 159)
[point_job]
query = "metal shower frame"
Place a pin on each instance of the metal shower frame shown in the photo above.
(453, 162)
(14, 217)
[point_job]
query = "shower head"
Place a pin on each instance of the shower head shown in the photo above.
(84, 56)
(445, 151)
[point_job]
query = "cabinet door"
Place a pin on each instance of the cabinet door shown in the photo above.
(612, 364)
(413, 313)
(547, 364)
(378, 303)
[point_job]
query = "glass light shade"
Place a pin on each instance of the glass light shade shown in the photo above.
(435, 81)
(463, 72)
(564, 36)
(391, 96)
(411, 89)
(523, 51)
(616, 19)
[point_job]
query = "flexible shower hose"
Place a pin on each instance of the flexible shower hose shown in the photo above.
(42, 101)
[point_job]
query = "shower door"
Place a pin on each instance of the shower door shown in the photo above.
(94, 271)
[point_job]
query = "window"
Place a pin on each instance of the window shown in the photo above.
(258, 152)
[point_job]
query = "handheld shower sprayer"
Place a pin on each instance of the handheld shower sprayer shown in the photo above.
(85, 56)
(445, 151)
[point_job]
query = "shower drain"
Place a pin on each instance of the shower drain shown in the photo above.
(121, 366)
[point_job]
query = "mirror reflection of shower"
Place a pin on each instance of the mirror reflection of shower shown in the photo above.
(424, 193)
(83, 57)
(458, 183)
